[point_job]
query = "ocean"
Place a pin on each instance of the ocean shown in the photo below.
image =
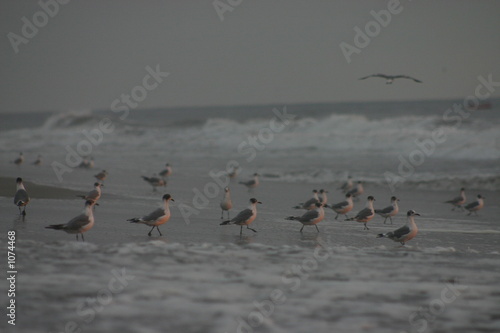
(203, 277)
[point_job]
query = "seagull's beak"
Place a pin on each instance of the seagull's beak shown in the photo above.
(259, 202)
(417, 214)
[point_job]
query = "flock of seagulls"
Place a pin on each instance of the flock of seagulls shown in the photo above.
(314, 207)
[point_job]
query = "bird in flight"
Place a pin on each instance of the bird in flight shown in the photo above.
(391, 78)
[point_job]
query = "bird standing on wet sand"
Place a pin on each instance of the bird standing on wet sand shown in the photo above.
(19, 160)
(311, 217)
(157, 217)
(457, 202)
(343, 207)
(21, 198)
(347, 186)
(226, 204)
(78, 224)
(167, 171)
(366, 214)
(309, 204)
(474, 206)
(245, 217)
(405, 233)
(101, 175)
(155, 182)
(389, 211)
(93, 195)
(38, 161)
(253, 183)
(322, 196)
(357, 191)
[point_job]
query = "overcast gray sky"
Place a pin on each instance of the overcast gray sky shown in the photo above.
(285, 51)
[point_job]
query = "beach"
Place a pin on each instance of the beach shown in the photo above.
(203, 277)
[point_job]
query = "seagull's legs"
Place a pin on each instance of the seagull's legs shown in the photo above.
(385, 220)
(302, 227)
(241, 230)
(159, 230)
(222, 214)
(251, 229)
(83, 239)
(390, 218)
(366, 228)
(316, 227)
(149, 233)
(336, 216)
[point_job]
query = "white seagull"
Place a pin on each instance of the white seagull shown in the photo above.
(311, 217)
(309, 204)
(78, 224)
(389, 211)
(366, 214)
(155, 182)
(475, 205)
(226, 204)
(19, 160)
(457, 202)
(101, 175)
(405, 233)
(390, 78)
(93, 195)
(253, 183)
(21, 198)
(157, 217)
(343, 207)
(322, 196)
(245, 217)
(167, 171)
(357, 191)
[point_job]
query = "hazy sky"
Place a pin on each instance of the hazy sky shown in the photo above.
(91, 52)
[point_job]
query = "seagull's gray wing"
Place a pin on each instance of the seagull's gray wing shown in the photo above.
(340, 205)
(77, 222)
(386, 210)
(93, 195)
(242, 216)
(401, 232)
(155, 215)
(375, 75)
(472, 205)
(310, 202)
(364, 213)
(309, 216)
(21, 195)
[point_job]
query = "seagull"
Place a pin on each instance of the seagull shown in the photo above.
(357, 191)
(21, 198)
(157, 217)
(391, 78)
(389, 211)
(309, 204)
(19, 160)
(233, 173)
(343, 207)
(347, 186)
(366, 214)
(457, 202)
(406, 232)
(87, 164)
(155, 182)
(101, 175)
(78, 224)
(226, 204)
(322, 196)
(245, 217)
(38, 161)
(167, 171)
(251, 184)
(475, 205)
(93, 195)
(311, 217)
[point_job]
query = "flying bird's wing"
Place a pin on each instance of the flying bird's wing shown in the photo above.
(375, 75)
(407, 77)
